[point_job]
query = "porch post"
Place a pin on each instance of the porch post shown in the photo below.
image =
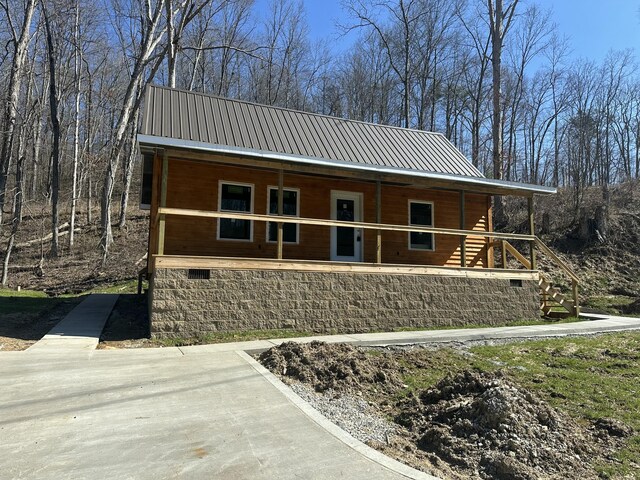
(378, 221)
(463, 238)
(280, 210)
(532, 244)
(163, 201)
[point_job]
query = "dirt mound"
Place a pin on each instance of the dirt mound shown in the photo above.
(332, 367)
(612, 428)
(485, 425)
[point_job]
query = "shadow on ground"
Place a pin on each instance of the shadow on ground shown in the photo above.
(25, 320)
(129, 319)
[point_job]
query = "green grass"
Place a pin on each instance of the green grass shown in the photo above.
(5, 292)
(227, 337)
(249, 335)
(129, 286)
(25, 301)
(513, 323)
(586, 377)
(611, 304)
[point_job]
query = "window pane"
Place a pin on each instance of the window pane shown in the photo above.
(289, 207)
(289, 232)
(421, 240)
(421, 214)
(147, 179)
(235, 229)
(235, 198)
(289, 202)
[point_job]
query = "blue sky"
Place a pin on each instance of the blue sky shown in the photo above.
(593, 26)
(596, 26)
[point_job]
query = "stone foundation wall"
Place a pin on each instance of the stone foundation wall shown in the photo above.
(330, 302)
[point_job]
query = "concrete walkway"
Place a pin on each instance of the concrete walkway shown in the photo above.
(80, 330)
(191, 412)
(592, 323)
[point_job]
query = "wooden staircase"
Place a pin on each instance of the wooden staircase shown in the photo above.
(551, 298)
(553, 302)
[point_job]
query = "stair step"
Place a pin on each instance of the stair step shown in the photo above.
(553, 295)
(556, 314)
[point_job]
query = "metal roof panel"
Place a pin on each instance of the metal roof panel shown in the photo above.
(197, 117)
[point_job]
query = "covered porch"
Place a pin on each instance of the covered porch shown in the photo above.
(264, 217)
(289, 288)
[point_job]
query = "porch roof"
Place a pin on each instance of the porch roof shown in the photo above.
(186, 120)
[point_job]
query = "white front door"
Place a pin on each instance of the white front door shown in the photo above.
(346, 242)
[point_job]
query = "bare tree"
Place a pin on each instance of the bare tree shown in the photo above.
(500, 19)
(398, 38)
(55, 128)
(474, 76)
(19, 40)
(77, 59)
(147, 55)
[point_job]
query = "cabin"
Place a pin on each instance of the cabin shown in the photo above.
(268, 218)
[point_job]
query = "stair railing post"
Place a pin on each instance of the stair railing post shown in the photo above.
(163, 202)
(532, 243)
(280, 237)
(463, 238)
(378, 221)
(576, 301)
(503, 244)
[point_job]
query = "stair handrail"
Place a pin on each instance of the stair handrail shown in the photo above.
(518, 256)
(556, 259)
(574, 278)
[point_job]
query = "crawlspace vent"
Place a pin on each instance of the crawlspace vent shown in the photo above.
(198, 274)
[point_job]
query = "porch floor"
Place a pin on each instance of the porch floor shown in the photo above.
(235, 263)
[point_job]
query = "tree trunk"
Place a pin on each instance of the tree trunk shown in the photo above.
(89, 213)
(602, 225)
(21, 46)
(55, 127)
(76, 133)
(130, 104)
(17, 208)
(128, 173)
(498, 29)
(496, 61)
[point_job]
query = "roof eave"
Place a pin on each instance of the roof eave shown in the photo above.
(501, 186)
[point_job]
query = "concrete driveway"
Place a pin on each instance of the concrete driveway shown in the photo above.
(159, 414)
(68, 411)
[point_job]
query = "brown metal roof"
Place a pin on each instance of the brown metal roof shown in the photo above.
(196, 117)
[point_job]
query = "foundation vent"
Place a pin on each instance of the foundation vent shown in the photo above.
(198, 274)
(515, 283)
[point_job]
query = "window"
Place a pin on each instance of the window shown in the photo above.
(421, 213)
(147, 181)
(290, 204)
(235, 197)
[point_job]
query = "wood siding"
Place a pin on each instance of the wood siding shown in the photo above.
(194, 185)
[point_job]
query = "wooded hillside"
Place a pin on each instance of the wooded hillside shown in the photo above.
(494, 76)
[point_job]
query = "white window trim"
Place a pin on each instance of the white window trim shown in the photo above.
(297, 190)
(239, 184)
(433, 236)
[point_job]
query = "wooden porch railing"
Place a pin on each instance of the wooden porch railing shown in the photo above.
(337, 223)
(494, 239)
